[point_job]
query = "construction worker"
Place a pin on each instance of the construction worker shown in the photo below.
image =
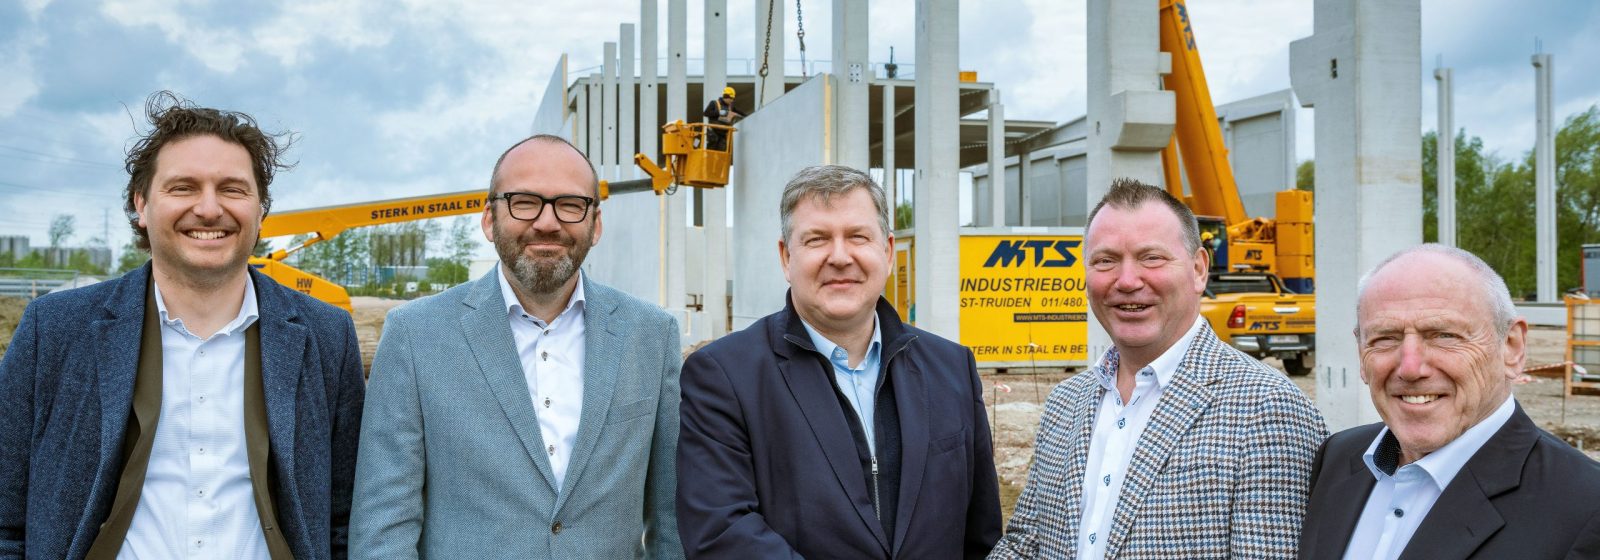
(721, 111)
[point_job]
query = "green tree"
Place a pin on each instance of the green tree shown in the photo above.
(1305, 176)
(132, 257)
(61, 229)
(904, 216)
(1577, 193)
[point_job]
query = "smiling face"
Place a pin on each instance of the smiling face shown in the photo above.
(836, 260)
(203, 211)
(543, 255)
(1430, 351)
(1144, 286)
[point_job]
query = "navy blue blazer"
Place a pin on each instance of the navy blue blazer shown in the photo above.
(1524, 494)
(66, 391)
(768, 468)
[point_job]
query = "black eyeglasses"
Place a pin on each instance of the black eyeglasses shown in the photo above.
(569, 209)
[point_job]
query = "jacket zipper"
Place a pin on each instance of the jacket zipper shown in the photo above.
(875, 512)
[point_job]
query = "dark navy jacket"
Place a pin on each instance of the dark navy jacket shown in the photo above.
(768, 466)
(66, 391)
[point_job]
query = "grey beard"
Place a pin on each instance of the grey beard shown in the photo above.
(540, 278)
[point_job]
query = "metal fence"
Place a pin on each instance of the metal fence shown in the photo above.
(29, 283)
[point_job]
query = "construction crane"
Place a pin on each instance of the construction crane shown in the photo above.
(1281, 245)
(689, 160)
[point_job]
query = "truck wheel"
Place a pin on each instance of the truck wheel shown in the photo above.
(1296, 366)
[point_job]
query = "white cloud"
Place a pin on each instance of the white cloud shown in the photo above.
(219, 49)
(16, 63)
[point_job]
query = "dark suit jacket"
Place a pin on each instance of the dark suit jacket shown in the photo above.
(1524, 494)
(768, 468)
(66, 390)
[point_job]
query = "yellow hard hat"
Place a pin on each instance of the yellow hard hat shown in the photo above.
(727, 91)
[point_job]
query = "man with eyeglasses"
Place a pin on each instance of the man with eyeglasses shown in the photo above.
(532, 413)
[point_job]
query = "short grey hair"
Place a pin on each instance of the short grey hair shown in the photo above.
(1130, 194)
(825, 182)
(1489, 281)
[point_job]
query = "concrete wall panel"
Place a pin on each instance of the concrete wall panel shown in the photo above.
(785, 136)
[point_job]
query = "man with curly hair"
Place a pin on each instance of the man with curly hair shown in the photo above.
(192, 407)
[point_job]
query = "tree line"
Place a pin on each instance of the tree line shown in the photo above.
(1495, 202)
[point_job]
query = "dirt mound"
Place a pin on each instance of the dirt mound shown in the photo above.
(10, 316)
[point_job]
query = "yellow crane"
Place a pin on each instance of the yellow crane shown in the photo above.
(1281, 245)
(688, 158)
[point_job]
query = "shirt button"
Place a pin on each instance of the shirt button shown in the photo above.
(201, 493)
(1121, 422)
(544, 356)
(552, 450)
(547, 331)
(1091, 537)
(202, 398)
(1107, 480)
(1399, 512)
(202, 451)
(199, 543)
(556, 528)
(547, 402)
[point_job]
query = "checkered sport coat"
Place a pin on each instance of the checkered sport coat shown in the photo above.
(1221, 471)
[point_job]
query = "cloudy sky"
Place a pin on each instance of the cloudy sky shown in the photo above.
(403, 98)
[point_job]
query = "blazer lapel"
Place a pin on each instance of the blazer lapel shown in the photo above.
(1345, 497)
(1180, 405)
(488, 334)
(283, 355)
(117, 336)
(802, 372)
(1464, 516)
(911, 400)
(602, 352)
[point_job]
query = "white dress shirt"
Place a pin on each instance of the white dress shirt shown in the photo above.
(552, 361)
(1117, 428)
(1402, 497)
(197, 501)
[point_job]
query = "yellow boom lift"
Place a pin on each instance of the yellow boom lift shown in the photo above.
(1282, 246)
(688, 157)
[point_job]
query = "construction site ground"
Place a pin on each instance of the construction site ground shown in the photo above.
(1015, 413)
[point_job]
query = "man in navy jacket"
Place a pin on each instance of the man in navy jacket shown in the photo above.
(830, 429)
(192, 407)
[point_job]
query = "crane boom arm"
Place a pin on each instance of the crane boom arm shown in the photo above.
(1205, 157)
(325, 222)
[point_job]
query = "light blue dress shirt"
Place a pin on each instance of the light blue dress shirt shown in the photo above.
(1399, 502)
(859, 384)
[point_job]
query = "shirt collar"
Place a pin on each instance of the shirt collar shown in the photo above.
(1164, 366)
(248, 310)
(514, 306)
(828, 348)
(1383, 454)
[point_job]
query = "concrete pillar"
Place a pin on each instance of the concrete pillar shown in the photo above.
(890, 185)
(673, 207)
(649, 79)
(771, 43)
(608, 113)
(1131, 119)
(1362, 71)
(852, 71)
(596, 127)
(937, 278)
(1544, 182)
(1025, 194)
(626, 120)
(580, 138)
(1445, 150)
(997, 159)
(715, 292)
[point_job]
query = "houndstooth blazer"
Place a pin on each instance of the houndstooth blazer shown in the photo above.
(1221, 471)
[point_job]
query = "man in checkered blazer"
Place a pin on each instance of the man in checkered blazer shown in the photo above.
(1175, 445)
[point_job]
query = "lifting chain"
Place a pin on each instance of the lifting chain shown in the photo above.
(800, 32)
(766, 53)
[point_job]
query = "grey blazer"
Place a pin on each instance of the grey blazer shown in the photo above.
(452, 462)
